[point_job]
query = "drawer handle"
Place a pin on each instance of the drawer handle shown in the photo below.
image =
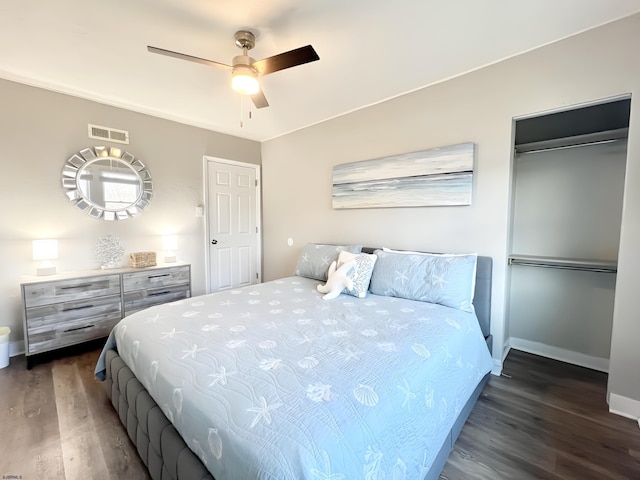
(158, 276)
(159, 293)
(78, 328)
(82, 285)
(77, 308)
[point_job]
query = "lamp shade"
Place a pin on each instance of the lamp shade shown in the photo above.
(45, 249)
(169, 245)
(170, 242)
(244, 80)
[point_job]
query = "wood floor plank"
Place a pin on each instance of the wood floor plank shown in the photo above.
(546, 420)
(80, 444)
(119, 453)
(29, 436)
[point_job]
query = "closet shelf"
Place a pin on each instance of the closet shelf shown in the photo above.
(587, 265)
(572, 142)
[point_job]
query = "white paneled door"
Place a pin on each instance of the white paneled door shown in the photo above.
(233, 226)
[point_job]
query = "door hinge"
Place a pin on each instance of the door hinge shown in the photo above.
(256, 182)
(256, 229)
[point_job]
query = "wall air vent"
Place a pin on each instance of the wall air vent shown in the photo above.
(110, 134)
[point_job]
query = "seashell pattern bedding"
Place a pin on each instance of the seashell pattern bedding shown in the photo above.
(270, 381)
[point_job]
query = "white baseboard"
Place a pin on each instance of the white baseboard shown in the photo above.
(498, 363)
(16, 348)
(497, 368)
(625, 407)
(568, 356)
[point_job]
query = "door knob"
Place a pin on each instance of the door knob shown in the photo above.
(214, 241)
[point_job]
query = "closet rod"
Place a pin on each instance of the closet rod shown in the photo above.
(608, 136)
(565, 264)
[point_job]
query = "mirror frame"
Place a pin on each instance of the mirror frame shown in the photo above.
(77, 161)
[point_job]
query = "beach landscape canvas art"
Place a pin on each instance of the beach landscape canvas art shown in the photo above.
(436, 177)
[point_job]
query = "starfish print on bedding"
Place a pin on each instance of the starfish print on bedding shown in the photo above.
(153, 319)
(170, 334)
(326, 474)
(349, 355)
(220, 377)
(447, 354)
(438, 281)
(401, 277)
(408, 394)
(262, 412)
(191, 352)
(398, 327)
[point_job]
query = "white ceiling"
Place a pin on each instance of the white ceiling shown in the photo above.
(370, 50)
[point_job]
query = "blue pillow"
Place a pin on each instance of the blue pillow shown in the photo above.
(443, 279)
(314, 260)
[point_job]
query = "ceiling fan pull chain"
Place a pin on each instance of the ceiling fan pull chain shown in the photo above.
(241, 121)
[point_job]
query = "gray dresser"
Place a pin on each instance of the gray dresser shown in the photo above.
(71, 308)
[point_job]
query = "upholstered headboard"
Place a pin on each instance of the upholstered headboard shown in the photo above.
(482, 295)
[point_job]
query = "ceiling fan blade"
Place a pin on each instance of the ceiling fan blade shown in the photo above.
(182, 56)
(259, 100)
(289, 59)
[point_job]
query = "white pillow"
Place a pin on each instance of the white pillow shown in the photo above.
(361, 275)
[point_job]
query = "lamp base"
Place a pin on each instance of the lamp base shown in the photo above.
(169, 259)
(46, 270)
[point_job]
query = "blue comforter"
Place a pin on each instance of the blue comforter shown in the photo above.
(272, 382)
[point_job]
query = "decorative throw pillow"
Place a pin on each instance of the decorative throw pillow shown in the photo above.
(409, 252)
(361, 274)
(443, 279)
(314, 260)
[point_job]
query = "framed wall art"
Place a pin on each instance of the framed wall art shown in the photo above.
(436, 177)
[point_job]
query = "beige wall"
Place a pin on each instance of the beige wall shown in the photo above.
(478, 107)
(39, 130)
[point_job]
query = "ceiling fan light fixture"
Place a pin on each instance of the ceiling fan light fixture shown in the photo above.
(244, 80)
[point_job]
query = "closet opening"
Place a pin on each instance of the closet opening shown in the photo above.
(566, 209)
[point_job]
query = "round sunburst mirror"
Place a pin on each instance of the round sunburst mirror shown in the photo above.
(107, 183)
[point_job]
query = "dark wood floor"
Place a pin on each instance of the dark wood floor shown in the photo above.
(546, 420)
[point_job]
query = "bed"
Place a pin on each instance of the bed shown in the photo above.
(270, 381)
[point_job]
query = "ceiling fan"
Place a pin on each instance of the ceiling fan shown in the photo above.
(245, 71)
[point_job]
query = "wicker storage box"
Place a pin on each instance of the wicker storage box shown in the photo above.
(142, 259)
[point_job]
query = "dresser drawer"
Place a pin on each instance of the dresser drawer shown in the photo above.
(141, 299)
(50, 316)
(46, 293)
(151, 279)
(71, 332)
(66, 310)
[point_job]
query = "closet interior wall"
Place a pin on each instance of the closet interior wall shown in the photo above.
(565, 230)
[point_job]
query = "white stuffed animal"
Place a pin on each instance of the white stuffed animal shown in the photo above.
(337, 280)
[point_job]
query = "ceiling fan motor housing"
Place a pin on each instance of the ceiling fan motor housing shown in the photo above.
(245, 39)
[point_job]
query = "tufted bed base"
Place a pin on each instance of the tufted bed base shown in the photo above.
(159, 444)
(163, 450)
